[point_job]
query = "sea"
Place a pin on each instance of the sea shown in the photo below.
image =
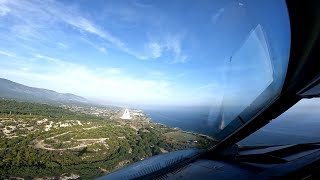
(193, 119)
(289, 128)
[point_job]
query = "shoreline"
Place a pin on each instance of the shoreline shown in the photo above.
(178, 128)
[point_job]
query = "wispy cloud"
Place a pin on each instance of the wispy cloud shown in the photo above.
(85, 25)
(155, 49)
(33, 16)
(95, 45)
(168, 43)
(50, 59)
(41, 19)
(216, 16)
(7, 54)
(62, 45)
(174, 44)
(3, 9)
(142, 5)
(110, 71)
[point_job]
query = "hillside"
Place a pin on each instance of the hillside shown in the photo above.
(50, 142)
(13, 90)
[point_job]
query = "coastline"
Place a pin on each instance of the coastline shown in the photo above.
(178, 128)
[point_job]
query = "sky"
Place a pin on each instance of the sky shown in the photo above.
(141, 52)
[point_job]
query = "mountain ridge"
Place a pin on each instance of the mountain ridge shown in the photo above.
(13, 90)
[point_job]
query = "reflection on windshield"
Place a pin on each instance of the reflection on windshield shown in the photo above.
(88, 88)
(253, 77)
(299, 124)
(250, 65)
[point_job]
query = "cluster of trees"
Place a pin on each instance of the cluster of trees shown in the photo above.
(28, 109)
(20, 159)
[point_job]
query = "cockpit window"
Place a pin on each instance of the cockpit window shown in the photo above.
(298, 125)
(96, 85)
(254, 71)
(249, 72)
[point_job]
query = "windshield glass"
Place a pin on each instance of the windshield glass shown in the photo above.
(299, 124)
(88, 87)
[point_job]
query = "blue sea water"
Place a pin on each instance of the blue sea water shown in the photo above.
(194, 119)
(291, 127)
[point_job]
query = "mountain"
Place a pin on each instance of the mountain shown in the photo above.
(12, 90)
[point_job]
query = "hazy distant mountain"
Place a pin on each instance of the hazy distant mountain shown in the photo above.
(12, 90)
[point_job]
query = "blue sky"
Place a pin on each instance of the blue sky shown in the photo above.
(135, 52)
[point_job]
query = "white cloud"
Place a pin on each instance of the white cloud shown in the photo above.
(106, 83)
(62, 45)
(4, 10)
(217, 15)
(110, 71)
(173, 43)
(7, 54)
(83, 24)
(94, 45)
(28, 32)
(102, 49)
(50, 59)
(109, 83)
(155, 49)
(33, 16)
(41, 20)
(170, 43)
(86, 25)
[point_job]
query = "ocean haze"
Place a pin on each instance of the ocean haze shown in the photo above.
(199, 119)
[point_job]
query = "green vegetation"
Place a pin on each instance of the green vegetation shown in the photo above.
(13, 108)
(40, 140)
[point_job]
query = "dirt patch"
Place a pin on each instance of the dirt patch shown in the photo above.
(40, 144)
(181, 136)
